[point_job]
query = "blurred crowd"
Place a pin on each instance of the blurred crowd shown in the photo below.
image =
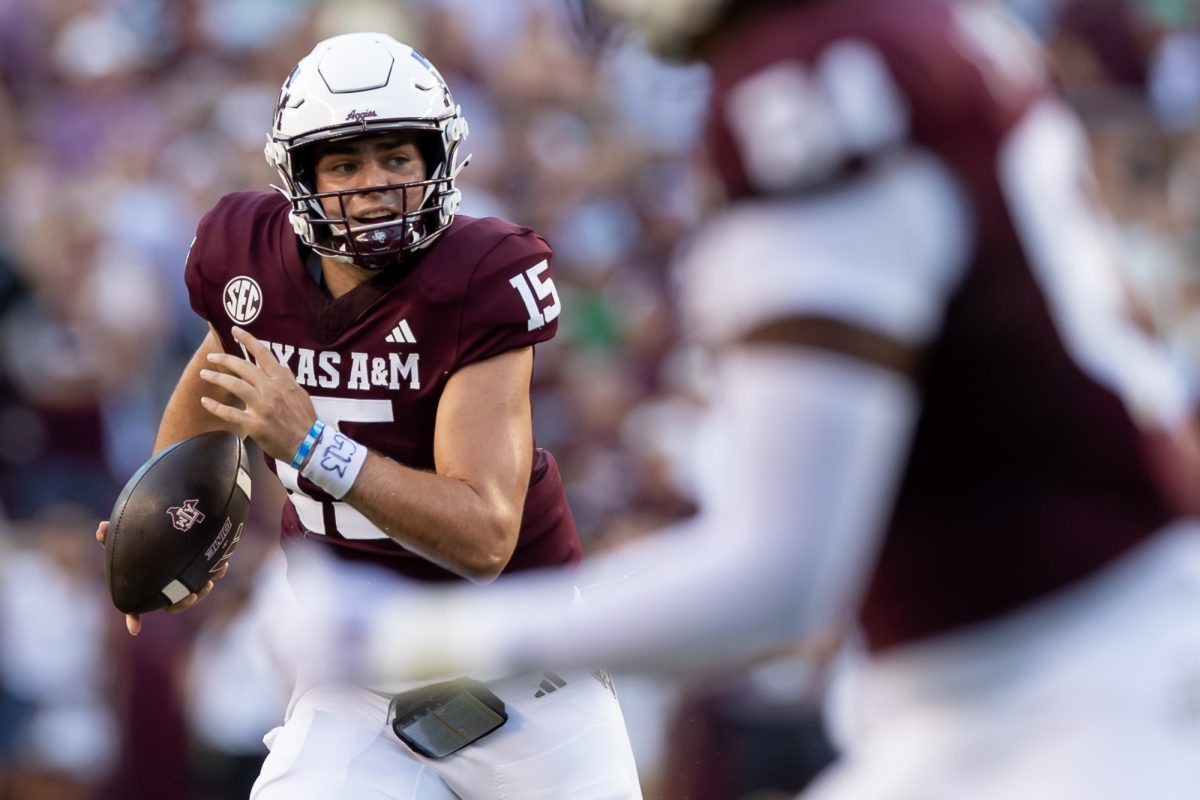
(122, 121)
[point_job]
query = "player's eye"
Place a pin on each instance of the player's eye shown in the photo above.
(336, 166)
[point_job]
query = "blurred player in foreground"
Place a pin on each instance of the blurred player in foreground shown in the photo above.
(938, 425)
(378, 347)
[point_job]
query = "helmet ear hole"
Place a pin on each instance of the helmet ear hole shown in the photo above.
(304, 165)
(433, 152)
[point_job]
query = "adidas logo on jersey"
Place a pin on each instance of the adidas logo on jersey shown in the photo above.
(550, 683)
(402, 334)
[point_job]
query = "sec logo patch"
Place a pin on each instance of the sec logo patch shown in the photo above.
(243, 299)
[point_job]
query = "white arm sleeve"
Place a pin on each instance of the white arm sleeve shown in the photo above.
(813, 446)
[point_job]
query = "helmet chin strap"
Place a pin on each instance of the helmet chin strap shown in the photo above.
(452, 200)
(437, 175)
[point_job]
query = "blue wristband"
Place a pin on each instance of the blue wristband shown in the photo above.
(314, 433)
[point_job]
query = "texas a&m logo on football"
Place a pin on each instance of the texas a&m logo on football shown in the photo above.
(185, 515)
(243, 299)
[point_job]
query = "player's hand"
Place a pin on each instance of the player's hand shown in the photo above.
(133, 622)
(277, 412)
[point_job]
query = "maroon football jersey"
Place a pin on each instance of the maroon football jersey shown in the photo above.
(1028, 470)
(376, 360)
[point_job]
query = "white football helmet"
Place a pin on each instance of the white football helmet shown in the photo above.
(367, 83)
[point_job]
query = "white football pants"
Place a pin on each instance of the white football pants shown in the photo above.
(1092, 693)
(569, 743)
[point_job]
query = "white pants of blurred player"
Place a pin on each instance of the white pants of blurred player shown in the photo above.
(564, 738)
(1094, 693)
(337, 744)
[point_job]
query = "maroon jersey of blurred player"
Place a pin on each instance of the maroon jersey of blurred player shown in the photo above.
(1028, 469)
(376, 360)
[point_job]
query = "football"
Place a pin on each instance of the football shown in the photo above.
(176, 521)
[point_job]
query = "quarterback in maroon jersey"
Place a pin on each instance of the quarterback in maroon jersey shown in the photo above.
(378, 347)
(938, 423)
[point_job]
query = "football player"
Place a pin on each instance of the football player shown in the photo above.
(378, 347)
(939, 424)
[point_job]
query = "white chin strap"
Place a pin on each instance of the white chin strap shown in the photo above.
(453, 199)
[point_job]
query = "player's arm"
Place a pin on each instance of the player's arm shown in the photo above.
(466, 515)
(814, 441)
(184, 416)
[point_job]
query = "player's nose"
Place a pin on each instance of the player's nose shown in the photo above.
(374, 173)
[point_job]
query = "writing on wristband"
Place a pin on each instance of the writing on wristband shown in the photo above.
(310, 439)
(335, 463)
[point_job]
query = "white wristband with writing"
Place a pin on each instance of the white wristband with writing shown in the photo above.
(335, 462)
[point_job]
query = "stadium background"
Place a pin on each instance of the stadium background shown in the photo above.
(122, 121)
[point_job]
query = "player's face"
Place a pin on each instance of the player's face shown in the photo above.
(364, 162)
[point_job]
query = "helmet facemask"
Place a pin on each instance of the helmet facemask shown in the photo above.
(430, 208)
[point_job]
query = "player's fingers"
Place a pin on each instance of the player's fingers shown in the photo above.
(237, 416)
(133, 624)
(262, 354)
(184, 604)
(102, 531)
(191, 599)
(221, 570)
(236, 365)
(200, 595)
(232, 384)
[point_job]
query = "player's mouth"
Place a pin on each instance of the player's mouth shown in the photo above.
(374, 216)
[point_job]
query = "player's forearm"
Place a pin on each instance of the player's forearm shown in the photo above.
(468, 530)
(183, 416)
(679, 602)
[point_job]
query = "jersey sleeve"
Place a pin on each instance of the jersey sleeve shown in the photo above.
(511, 301)
(199, 283)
